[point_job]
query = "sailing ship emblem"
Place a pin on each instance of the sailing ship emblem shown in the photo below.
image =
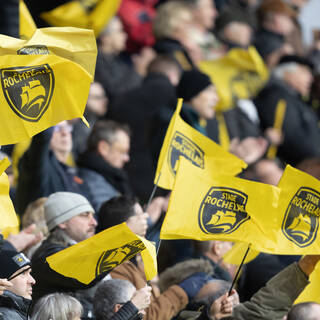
(28, 90)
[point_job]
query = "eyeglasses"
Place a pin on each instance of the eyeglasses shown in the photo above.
(63, 127)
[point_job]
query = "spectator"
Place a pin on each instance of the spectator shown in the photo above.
(69, 218)
(114, 294)
(276, 16)
(101, 165)
(16, 300)
(96, 108)
(137, 108)
(167, 304)
(291, 82)
(57, 306)
(115, 75)
(171, 28)
(213, 251)
(43, 169)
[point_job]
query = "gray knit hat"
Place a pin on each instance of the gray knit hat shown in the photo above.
(62, 206)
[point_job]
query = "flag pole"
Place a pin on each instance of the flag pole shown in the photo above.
(153, 191)
(238, 271)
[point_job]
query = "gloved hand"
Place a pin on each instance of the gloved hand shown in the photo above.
(194, 283)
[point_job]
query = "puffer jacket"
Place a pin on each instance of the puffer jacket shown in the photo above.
(14, 307)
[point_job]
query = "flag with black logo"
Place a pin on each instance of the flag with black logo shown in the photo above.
(102, 253)
(300, 211)
(182, 140)
(37, 92)
(241, 74)
(89, 14)
(206, 206)
(277, 220)
(75, 44)
(8, 218)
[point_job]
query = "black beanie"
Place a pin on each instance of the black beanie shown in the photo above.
(192, 83)
(10, 262)
(266, 42)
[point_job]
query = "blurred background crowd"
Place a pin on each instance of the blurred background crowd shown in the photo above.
(149, 54)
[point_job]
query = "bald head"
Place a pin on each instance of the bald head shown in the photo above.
(305, 311)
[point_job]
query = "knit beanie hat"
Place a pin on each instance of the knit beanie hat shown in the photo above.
(192, 83)
(10, 262)
(62, 206)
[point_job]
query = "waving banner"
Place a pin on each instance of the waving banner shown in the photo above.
(102, 253)
(183, 140)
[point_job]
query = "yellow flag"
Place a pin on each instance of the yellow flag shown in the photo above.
(299, 208)
(77, 45)
(102, 253)
(236, 254)
(8, 217)
(312, 291)
(26, 24)
(185, 141)
(238, 75)
(39, 91)
(93, 14)
(205, 206)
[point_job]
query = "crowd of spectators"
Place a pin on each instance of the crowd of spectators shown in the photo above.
(73, 181)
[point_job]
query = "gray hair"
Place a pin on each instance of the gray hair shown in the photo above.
(281, 69)
(108, 294)
(57, 306)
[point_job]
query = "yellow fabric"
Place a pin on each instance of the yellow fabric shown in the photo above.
(39, 91)
(238, 75)
(224, 140)
(299, 209)
(93, 15)
(311, 292)
(26, 24)
(183, 140)
(279, 220)
(278, 121)
(8, 218)
(103, 252)
(236, 253)
(77, 45)
(206, 206)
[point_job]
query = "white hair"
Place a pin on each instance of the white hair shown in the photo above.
(281, 69)
(57, 306)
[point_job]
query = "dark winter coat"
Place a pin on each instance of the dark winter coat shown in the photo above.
(40, 173)
(300, 125)
(136, 108)
(13, 307)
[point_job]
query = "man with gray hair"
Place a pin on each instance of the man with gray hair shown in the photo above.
(69, 217)
(281, 106)
(116, 294)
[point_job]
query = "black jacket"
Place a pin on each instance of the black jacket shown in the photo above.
(13, 307)
(136, 108)
(300, 125)
(40, 173)
(115, 75)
